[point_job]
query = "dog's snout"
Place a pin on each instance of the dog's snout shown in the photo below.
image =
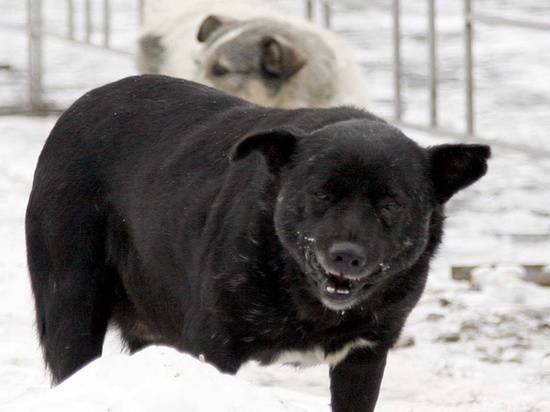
(347, 257)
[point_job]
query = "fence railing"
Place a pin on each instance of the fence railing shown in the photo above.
(320, 10)
(470, 19)
(36, 32)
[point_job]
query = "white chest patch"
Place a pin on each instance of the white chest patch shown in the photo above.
(317, 355)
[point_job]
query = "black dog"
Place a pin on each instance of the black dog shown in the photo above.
(195, 219)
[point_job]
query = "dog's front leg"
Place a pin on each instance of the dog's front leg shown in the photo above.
(355, 381)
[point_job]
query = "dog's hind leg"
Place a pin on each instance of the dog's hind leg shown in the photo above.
(72, 287)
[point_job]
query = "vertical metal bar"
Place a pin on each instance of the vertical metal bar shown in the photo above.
(141, 11)
(34, 34)
(70, 19)
(398, 112)
(327, 13)
(432, 57)
(88, 21)
(310, 9)
(469, 67)
(106, 23)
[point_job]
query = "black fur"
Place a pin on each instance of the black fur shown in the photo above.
(192, 218)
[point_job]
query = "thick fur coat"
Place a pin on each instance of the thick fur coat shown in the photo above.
(192, 218)
(248, 49)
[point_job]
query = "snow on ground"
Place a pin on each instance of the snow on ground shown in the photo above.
(180, 382)
(479, 346)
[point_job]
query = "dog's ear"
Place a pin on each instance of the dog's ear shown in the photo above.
(277, 146)
(210, 24)
(456, 166)
(280, 58)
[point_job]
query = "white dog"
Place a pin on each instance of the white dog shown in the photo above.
(247, 49)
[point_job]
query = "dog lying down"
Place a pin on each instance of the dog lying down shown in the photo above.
(249, 50)
(234, 232)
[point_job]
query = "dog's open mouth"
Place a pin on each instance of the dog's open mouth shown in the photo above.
(338, 286)
(339, 283)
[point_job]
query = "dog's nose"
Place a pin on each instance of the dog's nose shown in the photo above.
(348, 258)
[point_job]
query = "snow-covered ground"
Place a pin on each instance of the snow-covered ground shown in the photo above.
(479, 346)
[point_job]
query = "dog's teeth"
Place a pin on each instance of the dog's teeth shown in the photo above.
(342, 291)
(330, 289)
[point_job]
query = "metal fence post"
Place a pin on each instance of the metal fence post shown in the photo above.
(469, 67)
(327, 13)
(398, 111)
(141, 11)
(310, 9)
(432, 56)
(106, 23)
(34, 35)
(70, 19)
(88, 21)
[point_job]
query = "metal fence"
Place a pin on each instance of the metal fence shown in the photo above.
(320, 10)
(470, 20)
(36, 32)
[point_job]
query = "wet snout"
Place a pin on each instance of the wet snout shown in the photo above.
(346, 258)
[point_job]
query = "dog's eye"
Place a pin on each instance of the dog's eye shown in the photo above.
(388, 212)
(320, 195)
(219, 69)
(390, 206)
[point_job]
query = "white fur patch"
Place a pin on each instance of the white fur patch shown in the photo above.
(230, 35)
(317, 355)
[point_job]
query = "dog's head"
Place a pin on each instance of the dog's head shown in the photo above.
(357, 199)
(263, 60)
